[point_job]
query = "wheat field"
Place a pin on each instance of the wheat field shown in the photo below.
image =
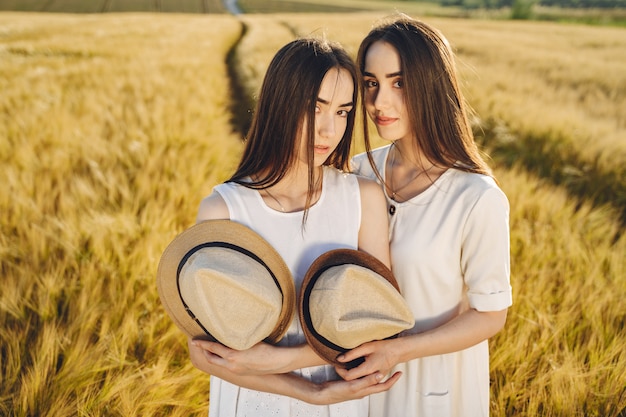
(113, 127)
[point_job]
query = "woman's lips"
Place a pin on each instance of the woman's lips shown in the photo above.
(321, 149)
(385, 121)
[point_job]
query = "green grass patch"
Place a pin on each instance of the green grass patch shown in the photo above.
(595, 17)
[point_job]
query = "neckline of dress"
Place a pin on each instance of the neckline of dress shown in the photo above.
(424, 194)
(299, 212)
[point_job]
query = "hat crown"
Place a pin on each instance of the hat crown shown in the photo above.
(233, 296)
(351, 304)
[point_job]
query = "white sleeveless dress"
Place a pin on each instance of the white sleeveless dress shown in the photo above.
(332, 223)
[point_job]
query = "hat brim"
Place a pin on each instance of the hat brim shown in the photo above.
(223, 233)
(322, 346)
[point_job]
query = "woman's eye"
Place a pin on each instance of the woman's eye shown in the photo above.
(398, 84)
(370, 84)
(343, 113)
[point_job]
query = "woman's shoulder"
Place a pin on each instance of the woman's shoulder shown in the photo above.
(232, 188)
(472, 179)
(338, 177)
(360, 163)
(352, 179)
(477, 185)
(222, 199)
(376, 153)
(212, 207)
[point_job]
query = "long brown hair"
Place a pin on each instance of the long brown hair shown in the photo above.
(287, 98)
(436, 107)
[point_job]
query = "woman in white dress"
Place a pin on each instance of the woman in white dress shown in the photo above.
(291, 187)
(449, 230)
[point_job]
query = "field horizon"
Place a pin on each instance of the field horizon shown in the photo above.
(599, 16)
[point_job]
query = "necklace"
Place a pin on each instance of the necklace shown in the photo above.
(394, 193)
(276, 200)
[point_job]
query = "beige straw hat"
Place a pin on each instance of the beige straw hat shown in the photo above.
(221, 281)
(347, 298)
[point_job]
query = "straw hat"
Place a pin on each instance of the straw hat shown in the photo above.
(347, 298)
(221, 281)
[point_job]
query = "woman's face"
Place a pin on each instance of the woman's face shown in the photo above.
(334, 102)
(384, 91)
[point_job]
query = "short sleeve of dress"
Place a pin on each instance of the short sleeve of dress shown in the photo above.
(485, 257)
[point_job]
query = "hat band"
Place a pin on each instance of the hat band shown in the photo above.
(306, 315)
(226, 245)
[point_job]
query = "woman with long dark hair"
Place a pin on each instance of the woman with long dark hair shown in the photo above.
(449, 230)
(292, 188)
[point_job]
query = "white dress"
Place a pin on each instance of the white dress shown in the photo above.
(332, 223)
(449, 250)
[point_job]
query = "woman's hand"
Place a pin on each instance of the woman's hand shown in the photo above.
(332, 392)
(379, 358)
(260, 359)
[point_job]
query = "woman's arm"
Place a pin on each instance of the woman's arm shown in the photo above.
(374, 230)
(462, 332)
(295, 386)
(260, 359)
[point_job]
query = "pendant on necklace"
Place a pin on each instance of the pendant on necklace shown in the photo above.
(392, 209)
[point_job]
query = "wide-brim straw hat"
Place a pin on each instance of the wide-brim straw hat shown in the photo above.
(347, 298)
(221, 281)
